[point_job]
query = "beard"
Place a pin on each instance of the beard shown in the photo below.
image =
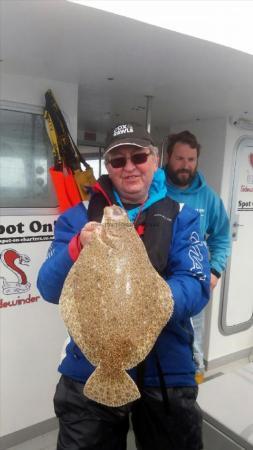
(181, 177)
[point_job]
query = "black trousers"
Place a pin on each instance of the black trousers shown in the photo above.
(87, 425)
(179, 427)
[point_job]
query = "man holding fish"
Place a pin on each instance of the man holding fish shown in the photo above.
(166, 415)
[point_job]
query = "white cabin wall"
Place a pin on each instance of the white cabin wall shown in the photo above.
(30, 91)
(32, 336)
(218, 140)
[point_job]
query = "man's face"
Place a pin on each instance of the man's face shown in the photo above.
(182, 164)
(132, 180)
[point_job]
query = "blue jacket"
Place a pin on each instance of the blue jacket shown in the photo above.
(187, 275)
(214, 223)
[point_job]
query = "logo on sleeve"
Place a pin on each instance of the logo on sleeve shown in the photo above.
(196, 256)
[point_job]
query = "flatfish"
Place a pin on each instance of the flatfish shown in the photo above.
(114, 305)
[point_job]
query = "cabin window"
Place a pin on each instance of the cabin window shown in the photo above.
(93, 156)
(25, 157)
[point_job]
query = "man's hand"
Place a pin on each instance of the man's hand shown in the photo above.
(214, 281)
(87, 232)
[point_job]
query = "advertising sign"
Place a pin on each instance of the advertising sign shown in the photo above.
(24, 243)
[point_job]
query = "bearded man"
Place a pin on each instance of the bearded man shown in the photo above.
(185, 184)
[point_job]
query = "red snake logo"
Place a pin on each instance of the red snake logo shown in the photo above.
(10, 258)
(251, 159)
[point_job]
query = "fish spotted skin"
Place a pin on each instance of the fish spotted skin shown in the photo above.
(114, 305)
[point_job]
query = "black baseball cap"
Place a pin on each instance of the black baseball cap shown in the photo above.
(128, 134)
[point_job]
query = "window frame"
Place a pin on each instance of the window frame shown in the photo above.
(93, 151)
(23, 210)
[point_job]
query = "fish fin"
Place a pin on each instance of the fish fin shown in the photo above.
(113, 389)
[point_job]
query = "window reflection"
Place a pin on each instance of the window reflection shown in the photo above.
(25, 157)
(16, 167)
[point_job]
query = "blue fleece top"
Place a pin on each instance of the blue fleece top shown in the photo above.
(214, 222)
(187, 274)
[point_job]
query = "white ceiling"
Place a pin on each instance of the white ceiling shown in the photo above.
(188, 78)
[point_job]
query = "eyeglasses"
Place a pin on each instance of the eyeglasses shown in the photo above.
(136, 159)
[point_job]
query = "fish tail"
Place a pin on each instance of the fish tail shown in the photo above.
(112, 389)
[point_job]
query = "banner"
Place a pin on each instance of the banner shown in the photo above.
(24, 244)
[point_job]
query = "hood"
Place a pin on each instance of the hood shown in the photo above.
(197, 184)
(158, 188)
